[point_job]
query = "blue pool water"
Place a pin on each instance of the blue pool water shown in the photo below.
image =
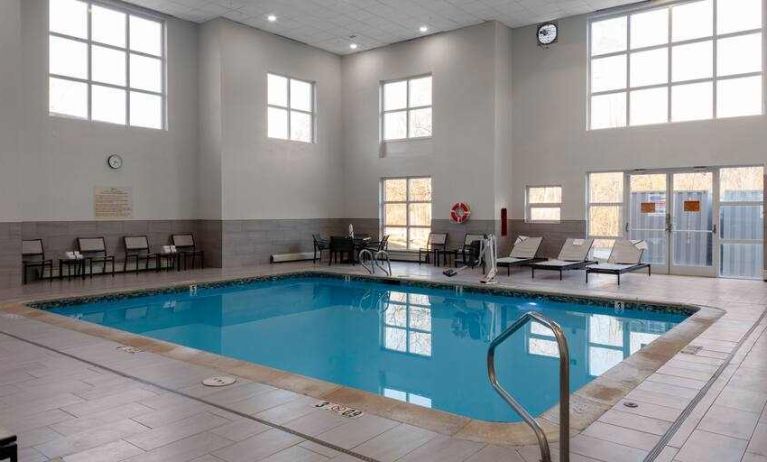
(421, 345)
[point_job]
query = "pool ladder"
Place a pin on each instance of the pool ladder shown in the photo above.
(376, 260)
(564, 381)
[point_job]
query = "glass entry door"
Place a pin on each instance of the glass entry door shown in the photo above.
(694, 204)
(674, 213)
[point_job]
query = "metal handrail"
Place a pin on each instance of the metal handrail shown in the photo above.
(375, 260)
(564, 383)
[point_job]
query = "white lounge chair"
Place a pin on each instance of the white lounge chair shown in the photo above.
(625, 257)
(524, 251)
(574, 255)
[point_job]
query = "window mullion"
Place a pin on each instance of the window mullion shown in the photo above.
(628, 70)
(127, 70)
(407, 114)
(90, 63)
(290, 137)
(715, 53)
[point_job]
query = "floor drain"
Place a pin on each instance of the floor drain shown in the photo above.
(219, 381)
(129, 349)
(630, 404)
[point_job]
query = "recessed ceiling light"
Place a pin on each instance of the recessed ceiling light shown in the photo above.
(271, 18)
(423, 29)
(353, 46)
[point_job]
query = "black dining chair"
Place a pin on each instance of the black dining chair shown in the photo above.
(33, 256)
(95, 250)
(320, 244)
(341, 246)
(187, 249)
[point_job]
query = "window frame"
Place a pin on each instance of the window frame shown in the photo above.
(289, 108)
(408, 329)
(669, 85)
(89, 82)
(543, 205)
(407, 109)
(621, 204)
(406, 203)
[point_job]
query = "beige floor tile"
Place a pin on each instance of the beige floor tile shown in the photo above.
(258, 447)
(751, 457)
(493, 453)
(635, 422)
(605, 450)
(758, 443)
(654, 411)
(703, 446)
(167, 434)
(395, 443)
(240, 429)
(738, 398)
(83, 441)
(295, 454)
(115, 451)
(185, 449)
(357, 431)
(729, 422)
(443, 449)
(624, 436)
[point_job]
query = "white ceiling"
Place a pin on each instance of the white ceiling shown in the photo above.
(328, 24)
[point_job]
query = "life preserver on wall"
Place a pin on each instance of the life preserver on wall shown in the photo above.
(460, 212)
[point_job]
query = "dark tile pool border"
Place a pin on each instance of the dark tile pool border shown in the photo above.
(586, 404)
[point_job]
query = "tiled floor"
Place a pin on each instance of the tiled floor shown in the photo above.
(73, 396)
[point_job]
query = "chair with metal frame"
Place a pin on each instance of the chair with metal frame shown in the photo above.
(186, 247)
(625, 257)
(137, 249)
(8, 445)
(342, 246)
(320, 244)
(94, 249)
(573, 256)
(434, 244)
(33, 256)
(463, 254)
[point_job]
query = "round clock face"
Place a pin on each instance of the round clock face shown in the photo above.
(547, 33)
(115, 161)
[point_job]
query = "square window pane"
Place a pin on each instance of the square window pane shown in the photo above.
(395, 215)
(420, 318)
(692, 20)
(277, 123)
(301, 95)
(605, 220)
(395, 125)
(649, 106)
(605, 330)
(605, 187)
(145, 36)
(300, 126)
(396, 315)
(145, 110)
(108, 104)
(397, 237)
(692, 61)
(420, 214)
(692, 102)
(395, 190)
(68, 57)
(739, 55)
(420, 92)
(608, 73)
(739, 97)
(602, 359)
(395, 339)
(649, 28)
(419, 189)
(420, 123)
(395, 95)
(108, 26)
(419, 238)
(741, 184)
(277, 89)
(68, 98)
(649, 67)
(420, 343)
(544, 195)
(69, 17)
(608, 111)
(609, 36)
(742, 222)
(108, 65)
(145, 73)
(545, 213)
(742, 260)
(738, 15)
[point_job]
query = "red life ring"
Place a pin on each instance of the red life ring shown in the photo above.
(460, 212)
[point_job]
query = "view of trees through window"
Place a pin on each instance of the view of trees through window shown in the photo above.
(406, 212)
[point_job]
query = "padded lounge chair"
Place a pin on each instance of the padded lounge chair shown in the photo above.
(95, 250)
(573, 256)
(33, 256)
(625, 257)
(523, 252)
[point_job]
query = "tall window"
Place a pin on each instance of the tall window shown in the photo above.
(290, 112)
(544, 203)
(406, 108)
(106, 64)
(406, 212)
(605, 211)
(690, 60)
(741, 218)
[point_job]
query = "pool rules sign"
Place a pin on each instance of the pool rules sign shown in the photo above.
(112, 202)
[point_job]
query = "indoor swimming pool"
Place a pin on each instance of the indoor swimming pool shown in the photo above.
(422, 344)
